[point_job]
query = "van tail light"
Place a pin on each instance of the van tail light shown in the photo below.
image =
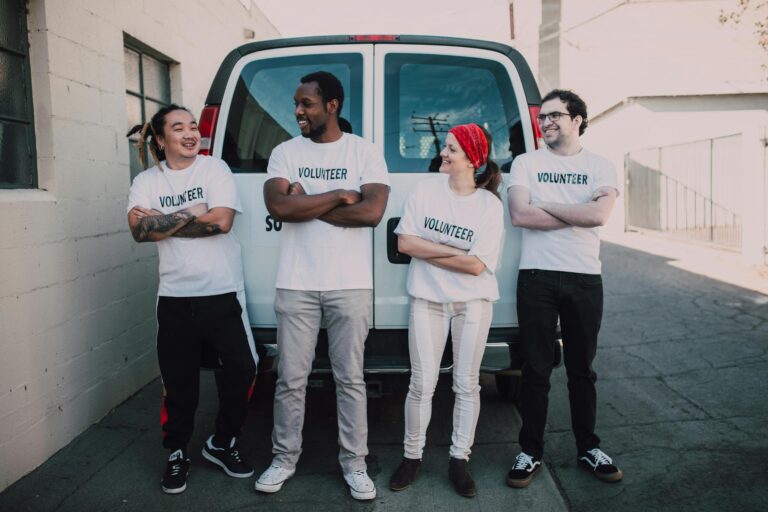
(538, 140)
(207, 125)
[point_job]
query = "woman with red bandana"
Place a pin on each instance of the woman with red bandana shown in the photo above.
(452, 227)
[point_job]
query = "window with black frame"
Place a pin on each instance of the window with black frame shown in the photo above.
(147, 90)
(18, 166)
(261, 114)
(427, 94)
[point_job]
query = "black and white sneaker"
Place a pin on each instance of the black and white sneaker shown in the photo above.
(525, 468)
(601, 465)
(228, 459)
(175, 476)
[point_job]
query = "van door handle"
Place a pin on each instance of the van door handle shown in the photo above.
(393, 254)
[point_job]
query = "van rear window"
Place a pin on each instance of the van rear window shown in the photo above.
(427, 94)
(261, 113)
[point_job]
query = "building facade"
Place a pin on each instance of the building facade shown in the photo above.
(77, 294)
(657, 74)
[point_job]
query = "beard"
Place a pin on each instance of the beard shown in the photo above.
(315, 132)
(555, 141)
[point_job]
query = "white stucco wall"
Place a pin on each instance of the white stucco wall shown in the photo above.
(656, 48)
(479, 19)
(649, 123)
(612, 50)
(527, 16)
(77, 295)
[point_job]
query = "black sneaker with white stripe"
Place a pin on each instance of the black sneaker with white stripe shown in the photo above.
(175, 476)
(601, 465)
(229, 459)
(525, 468)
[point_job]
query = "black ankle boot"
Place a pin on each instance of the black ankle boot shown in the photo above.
(458, 473)
(405, 474)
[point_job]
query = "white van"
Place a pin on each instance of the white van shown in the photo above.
(402, 93)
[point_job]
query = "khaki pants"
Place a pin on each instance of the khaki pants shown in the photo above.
(345, 314)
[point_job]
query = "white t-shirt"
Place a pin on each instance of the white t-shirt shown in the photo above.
(315, 255)
(474, 223)
(569, 180)
(193, 267)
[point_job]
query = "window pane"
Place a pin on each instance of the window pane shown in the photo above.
(132, 71)
(13, 94)
(261, 115)
(17, 139)
(157, 84)
(133, 106)
(157, 93)
(136, 166)
(425, 95)
(16, 155)
(151, 108)
(12, 16)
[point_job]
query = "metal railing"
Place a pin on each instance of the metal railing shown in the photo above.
(688, 190)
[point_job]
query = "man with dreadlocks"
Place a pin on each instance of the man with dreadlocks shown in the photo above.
(186, 203)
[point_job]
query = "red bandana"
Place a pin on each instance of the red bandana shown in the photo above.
(472, 140)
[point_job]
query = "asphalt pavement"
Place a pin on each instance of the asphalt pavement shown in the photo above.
(682, 369)
(682, 383)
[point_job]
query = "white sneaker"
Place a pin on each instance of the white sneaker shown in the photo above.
(360, 485)
(273, 478)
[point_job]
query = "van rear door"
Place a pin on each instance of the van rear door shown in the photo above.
(257, 114)
(420, 92)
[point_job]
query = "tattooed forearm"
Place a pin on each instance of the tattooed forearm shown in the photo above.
(196, 230)
(142, 232)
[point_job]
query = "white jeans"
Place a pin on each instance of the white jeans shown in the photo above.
(428, 328)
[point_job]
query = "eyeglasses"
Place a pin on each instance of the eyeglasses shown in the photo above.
(553, 116)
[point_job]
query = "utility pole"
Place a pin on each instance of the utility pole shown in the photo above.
(432, 124)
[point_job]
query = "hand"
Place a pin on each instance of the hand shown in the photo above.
(350, 197)
(295, 189)
(138, 213)
(198, 209)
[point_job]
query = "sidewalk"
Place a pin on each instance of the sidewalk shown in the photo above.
(682, 364)
(705, 260)
(117, 463)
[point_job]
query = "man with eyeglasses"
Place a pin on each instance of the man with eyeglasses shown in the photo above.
(560, 195)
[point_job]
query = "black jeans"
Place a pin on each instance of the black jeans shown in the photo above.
(542, 296)
(185, 326)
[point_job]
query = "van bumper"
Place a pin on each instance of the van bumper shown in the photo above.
(386, 352)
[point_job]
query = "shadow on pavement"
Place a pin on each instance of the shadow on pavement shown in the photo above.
(682, 367)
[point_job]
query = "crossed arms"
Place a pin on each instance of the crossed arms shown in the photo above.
(539, 215)
(148, 225)
(440, 255)
(287, 202)
(548, 216)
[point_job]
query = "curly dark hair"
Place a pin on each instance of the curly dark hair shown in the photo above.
(574, 104)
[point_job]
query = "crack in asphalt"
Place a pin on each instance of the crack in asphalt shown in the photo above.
(684, 373)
